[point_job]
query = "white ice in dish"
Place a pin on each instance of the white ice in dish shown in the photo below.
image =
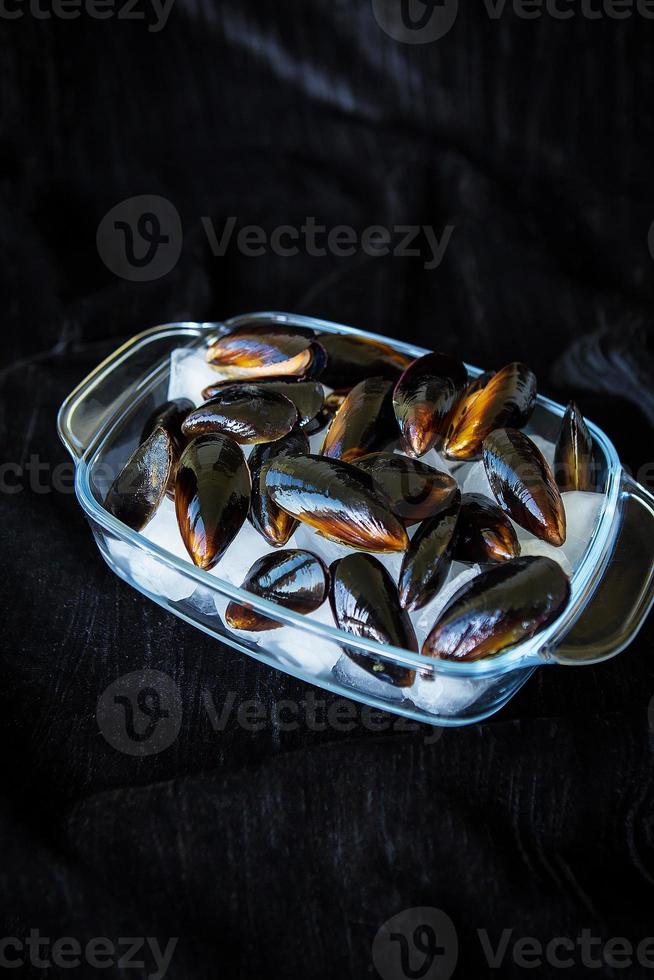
(446, 695)
(349, 674)
(424, 619)
(190, 374)
(150, 572)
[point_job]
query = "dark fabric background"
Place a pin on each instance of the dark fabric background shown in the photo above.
(275, 853)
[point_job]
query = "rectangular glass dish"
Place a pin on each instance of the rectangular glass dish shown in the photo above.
(612, 587)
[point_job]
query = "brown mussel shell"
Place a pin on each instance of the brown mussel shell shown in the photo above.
(480, 382)
(293, 579)
(503, 606)
(429, 556)
(247, 413)
(508, 399)
(141, 485)
(259, 350)
(307, 396)
(170, 416)
(484, 534)
(273, 523)
(573, 456)
(524, 485)
(364, 423)
(340, 501)
(350, 359)
(415, 490)
(425, 398)
(365, 602)
(212, 497)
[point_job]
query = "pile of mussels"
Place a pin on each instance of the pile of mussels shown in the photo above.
(360, 492)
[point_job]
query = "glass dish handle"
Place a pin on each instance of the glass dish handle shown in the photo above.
(113, 384)
(625, 595)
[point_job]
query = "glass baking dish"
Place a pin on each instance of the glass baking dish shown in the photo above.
(612, 589)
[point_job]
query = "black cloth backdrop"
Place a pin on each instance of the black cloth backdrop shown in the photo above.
(273, 852)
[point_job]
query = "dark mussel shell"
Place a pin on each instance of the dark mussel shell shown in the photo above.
(365, 602)
(524, 485)
(335, 399)
(364, 423)
(320, 422)
(170, 416)
(247, 413)
(351, 359)
(141, 485)
(425, 398)
(428, 559)
(479, 382)
(506, 400)
(307, 396)
(505, 605)
(484, 533)
(317, 363)
(212, 497)
(415, 491)
(341, 502)
(259, 350)
(573, 456)
(273, 523)
(295, 579)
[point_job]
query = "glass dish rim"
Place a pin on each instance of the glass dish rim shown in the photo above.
(532, 651)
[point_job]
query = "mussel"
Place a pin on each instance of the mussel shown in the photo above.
(505, 605)
(307, 396)
(141, 485)
(425, 398)
(426, 564)
(523, 484)
(258, 350)
(271, 521)
(365, 602)
(248, 413)
(340, 501)
(319, 422)
(573, 456)
(294, 579)
(479, 382)
(170, 416)
(506, 400)
(484, 534)
(415, 490)
(364, 423)
(350, 359)
(212, 496)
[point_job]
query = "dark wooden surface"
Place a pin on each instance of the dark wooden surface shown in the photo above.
(276, 853)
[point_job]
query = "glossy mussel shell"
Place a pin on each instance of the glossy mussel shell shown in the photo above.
(365, 602)
(259, 350)
(524, 485)
(427, 561)
(141, 485)
(484, 534)
(170, 416)
(415, 491)
(340, 501)
(307, 396)
(212, 496)
(246, 413)
(350, 359)
(293, 579)
(573, 455)
(425, 398)
(505, 605)
(364, 423)
(271, 521)
(506, 400)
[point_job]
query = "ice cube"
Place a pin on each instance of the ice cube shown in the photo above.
(546, 447)
(582, 511)
(150, 572)
(424, 619)
(307, 650)
(530, 545)
(245, 549)
(190, 373)
(349, 674)
(446, 695)
(476, 481)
